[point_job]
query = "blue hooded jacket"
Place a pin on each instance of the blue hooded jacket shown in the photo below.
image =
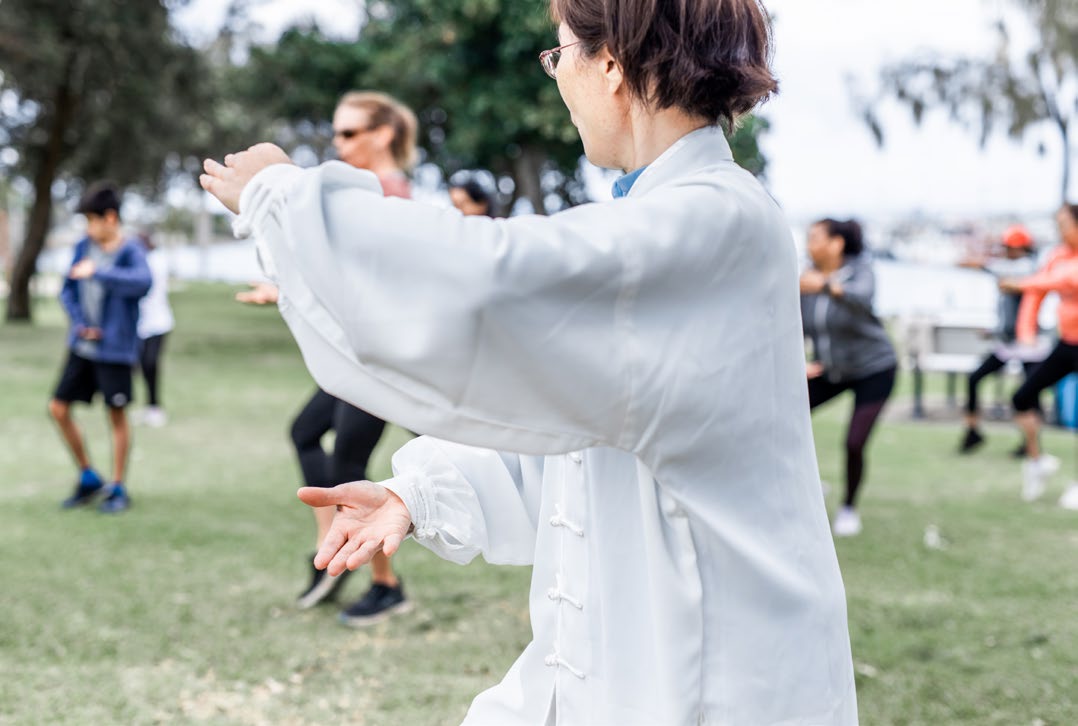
(125, 282)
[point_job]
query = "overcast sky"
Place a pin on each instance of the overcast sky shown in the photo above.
(823, 159)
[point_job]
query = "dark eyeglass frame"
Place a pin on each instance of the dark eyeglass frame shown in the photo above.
(549, 58)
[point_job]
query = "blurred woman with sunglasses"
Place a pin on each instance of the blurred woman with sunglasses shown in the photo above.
(618, 390)
(376, 132)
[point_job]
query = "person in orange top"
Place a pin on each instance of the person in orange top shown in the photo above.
(1059, 275)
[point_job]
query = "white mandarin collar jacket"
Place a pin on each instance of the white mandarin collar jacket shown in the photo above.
(642, 359)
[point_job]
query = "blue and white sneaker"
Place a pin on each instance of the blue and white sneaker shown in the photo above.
(117, 501)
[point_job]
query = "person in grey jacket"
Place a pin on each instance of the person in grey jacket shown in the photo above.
(851, 350)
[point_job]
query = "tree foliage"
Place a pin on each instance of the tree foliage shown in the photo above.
(91, 90)
(470, 70)
(1016, 90)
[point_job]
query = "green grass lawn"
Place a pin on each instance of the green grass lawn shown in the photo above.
(181, 609)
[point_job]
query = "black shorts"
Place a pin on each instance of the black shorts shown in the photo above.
(82, 378)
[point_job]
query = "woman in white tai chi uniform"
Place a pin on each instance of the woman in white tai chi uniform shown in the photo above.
(618, 390)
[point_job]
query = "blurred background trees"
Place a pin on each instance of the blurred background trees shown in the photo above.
(1028, 84)
(470, 71)
(91, 90)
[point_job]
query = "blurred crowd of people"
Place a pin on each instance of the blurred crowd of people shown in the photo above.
(116, 298)
(850, 349)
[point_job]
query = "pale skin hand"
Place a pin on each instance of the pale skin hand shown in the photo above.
(82, 270)
(90, 333)
(226, 182)
(814, 369)
(261, 293)
(369, 519)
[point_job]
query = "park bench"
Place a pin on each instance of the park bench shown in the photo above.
(954, 344)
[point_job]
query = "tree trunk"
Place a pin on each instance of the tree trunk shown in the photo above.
(527, 169)
(1065, 129)
(48, 164)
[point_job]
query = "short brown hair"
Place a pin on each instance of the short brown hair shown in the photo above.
(388, 111)
(709, 58)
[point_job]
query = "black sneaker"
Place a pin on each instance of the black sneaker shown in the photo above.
(379, 603)
(971, 442)
(1020, 451)
(323, 587)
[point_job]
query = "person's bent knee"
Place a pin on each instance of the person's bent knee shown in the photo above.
(59, 409)
(1024, 402)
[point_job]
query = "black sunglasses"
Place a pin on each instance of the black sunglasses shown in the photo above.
(347, 134)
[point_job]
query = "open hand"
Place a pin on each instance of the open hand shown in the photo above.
(82, 270)
(261, 293)
(369, 518)
(226, 182)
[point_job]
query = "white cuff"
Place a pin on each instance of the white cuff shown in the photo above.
(413, 491)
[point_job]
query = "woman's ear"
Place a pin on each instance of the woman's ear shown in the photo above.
(611, 71)
(383, 136)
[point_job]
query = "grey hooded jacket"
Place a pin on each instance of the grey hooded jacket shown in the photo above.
(847, 337)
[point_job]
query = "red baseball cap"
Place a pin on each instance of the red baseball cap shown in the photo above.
(1018, 237)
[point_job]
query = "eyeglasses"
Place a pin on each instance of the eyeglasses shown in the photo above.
(549, 59)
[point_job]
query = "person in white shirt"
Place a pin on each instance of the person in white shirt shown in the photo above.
(618, 390)
(155, 322)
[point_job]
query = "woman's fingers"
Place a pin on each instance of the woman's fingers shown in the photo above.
(364, 553)
(350, 494)
(335, 539)
(212, 168)
(323, 496)
(391, 544)
(340, 560)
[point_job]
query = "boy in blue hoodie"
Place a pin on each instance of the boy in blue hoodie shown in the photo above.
(101, 295)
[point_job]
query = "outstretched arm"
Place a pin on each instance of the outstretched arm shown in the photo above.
(464, 328)
(458, 501)
(467, 501)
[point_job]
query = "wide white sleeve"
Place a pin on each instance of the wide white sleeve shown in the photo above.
(467, 501)
(510, 334)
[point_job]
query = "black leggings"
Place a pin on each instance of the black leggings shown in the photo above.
(870, 395)
(148, 361)
(1062, 360)
(990, 365)
(357, 435)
